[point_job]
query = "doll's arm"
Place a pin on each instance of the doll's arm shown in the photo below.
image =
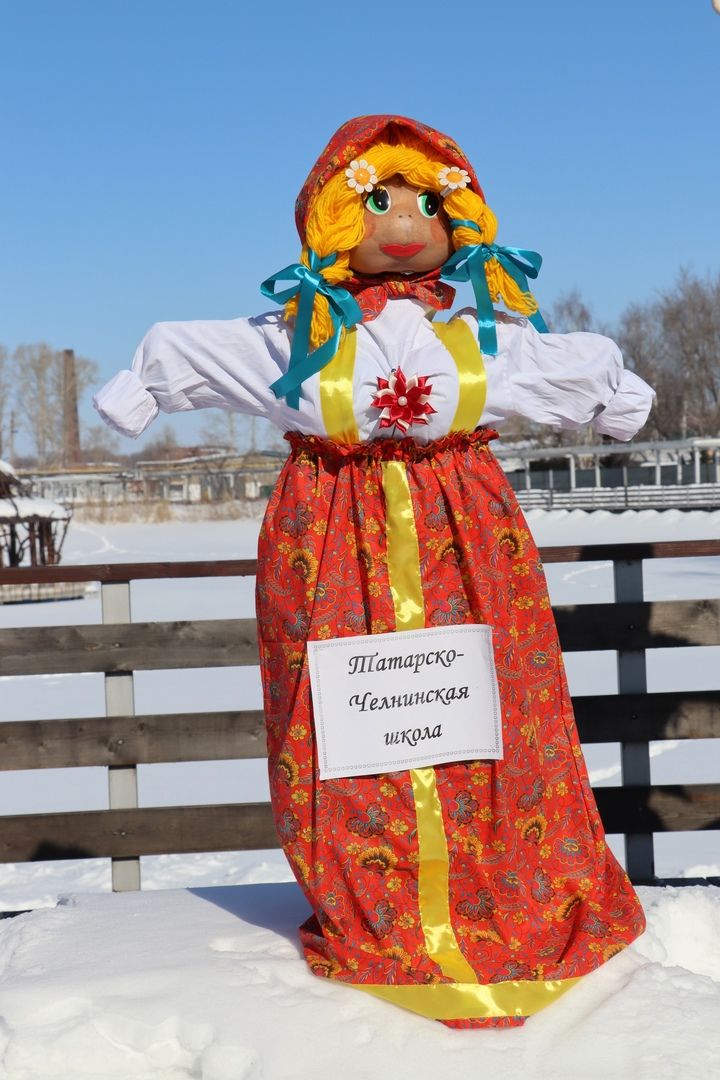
(566, 381)
(179, 366)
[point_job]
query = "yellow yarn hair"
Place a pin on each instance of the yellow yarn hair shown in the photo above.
(336, 216)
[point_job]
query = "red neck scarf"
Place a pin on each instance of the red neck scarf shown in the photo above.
(372, 291)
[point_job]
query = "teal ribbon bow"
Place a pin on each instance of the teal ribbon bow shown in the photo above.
(468, 264)
(344, 311)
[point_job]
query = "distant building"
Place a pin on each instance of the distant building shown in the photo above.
(208, 477)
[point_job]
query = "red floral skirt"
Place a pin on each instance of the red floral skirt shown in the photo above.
(534, 891)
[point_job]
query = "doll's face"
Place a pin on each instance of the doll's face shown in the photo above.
(406, 231)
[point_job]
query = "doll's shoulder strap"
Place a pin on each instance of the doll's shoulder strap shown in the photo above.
(336, 392)
(461, 343)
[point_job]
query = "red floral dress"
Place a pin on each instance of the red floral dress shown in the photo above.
(533, 897)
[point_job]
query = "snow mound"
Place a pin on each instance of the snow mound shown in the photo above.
(629, 526)
(670, 914)
(209, 984)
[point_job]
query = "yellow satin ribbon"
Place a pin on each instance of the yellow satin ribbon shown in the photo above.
(453, 1001)
(461, 343)
(403, 552)
(336, 392)
(403, 562)
(464, 997)
(434, 880)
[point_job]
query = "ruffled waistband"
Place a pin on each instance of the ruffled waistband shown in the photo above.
(386, 449)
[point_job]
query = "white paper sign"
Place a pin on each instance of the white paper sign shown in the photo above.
(386, 702)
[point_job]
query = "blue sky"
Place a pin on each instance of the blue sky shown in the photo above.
(152, 150)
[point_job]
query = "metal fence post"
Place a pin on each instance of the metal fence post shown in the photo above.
(634, 756)
(120, 701)
(571, 467)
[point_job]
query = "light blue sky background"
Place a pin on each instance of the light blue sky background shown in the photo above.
(152, 150)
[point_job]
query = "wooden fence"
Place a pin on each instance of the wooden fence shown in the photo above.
(121, 740)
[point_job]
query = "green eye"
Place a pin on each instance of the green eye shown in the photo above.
(429, 203)
(378, 201)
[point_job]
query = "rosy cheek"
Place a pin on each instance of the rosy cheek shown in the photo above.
(369, 221)
(438, 231)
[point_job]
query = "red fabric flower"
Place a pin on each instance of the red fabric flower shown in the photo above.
(403, 401)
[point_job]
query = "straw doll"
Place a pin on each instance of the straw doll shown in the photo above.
(472, 892)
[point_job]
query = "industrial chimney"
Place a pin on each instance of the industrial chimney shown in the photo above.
(71, 424)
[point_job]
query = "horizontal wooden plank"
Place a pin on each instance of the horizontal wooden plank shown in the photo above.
(157, 830)
(243, 567)
(661, 624)
(662, 549)
(218, 736)
(646, 717)
(132, 740)
(249, 826)
(681, 882)
(661, 808)
(129, 571)
(122, 647)
(52, 650)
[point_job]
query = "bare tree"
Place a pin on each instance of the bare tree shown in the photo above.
(674, 343)
(5, 404)
(40, 414)
(164, 447)
(224, 429)
(241, 433)
(690, 319)
(570, 313)
(38, 379)
(99, 443)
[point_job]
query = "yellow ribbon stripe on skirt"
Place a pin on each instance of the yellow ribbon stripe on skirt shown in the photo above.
(403, 559)
(464, 997)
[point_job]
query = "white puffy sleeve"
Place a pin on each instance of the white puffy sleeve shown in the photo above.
(199, 365)
(564, 380)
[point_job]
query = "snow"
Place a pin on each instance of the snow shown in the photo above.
(209, 984)
(25, 506)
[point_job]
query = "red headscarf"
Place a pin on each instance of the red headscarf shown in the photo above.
(355, 136)
(348, 142)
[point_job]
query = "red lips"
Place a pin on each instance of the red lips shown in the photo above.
(401, 251)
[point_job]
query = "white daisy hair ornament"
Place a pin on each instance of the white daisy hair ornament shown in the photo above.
(361, 176)
(452, 178)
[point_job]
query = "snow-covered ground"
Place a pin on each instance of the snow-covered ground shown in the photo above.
(208, 984)
(203, 983)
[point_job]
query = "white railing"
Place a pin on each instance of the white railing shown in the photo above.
(645, 497)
